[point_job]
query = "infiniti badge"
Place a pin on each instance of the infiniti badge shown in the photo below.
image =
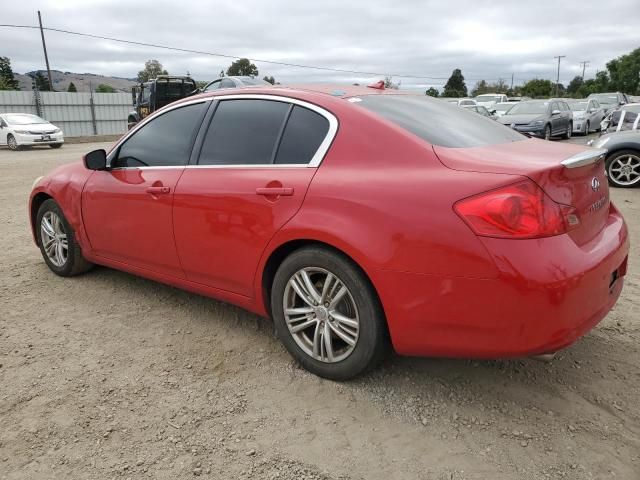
(595, 184)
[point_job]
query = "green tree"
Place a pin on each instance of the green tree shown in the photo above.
(538, 88)
(432, 92)
(455, 86)
(624, 73)
(599, 84)
(152, 68)
(574, 86)
(41, 82)
(242, 67)
(104, 88)
(271, 80)
(72, 88)
(221, 73)
(7, 80)
(481, 87)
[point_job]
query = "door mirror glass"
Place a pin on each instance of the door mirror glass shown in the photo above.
(555, 112)
(96, 160)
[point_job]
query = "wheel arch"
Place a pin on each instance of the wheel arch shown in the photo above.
(36, 201)
(286, 248)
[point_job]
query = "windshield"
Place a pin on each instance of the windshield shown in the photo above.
(578, 106)
(23, 119)
(606, 98)
(487, 98)
(438, 123)
(503, 107)
(528, 108)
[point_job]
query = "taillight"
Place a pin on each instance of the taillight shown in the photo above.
(521, 210)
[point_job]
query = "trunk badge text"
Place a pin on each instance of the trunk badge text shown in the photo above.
(595, 184)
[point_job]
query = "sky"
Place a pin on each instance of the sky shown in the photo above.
(406, 39)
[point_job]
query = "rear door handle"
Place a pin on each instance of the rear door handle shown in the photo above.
(158, 190)
(273, 191)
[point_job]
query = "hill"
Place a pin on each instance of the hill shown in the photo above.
(82, 81)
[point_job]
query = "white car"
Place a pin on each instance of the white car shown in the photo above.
(587, 115)
(490, 99)
(461, 102)
(25, 130)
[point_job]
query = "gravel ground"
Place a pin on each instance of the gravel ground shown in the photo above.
(111, 376)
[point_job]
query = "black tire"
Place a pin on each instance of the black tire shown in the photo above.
(547, 132)
(12, 143)
(75, 263)
(611, 163)
(587, 126)
(567, 135)
(372, 342)
(55, 145)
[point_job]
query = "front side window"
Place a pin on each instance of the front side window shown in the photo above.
(166, 140)
(244, 132)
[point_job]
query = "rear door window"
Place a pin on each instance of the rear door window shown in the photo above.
(437, 122)
(244, 132)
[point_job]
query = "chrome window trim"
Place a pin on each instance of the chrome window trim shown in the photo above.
(322, 150)
(315, 162)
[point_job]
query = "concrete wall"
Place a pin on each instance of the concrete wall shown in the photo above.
(72, 112)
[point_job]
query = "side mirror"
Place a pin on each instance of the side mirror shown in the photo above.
(555, 112)
(96, 160)
(622, 102)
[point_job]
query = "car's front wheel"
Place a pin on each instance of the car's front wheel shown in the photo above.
(587, 128)
(57, 241)
(12, 143)
(623, 168)
(547, 132)
(569, 131)
(327, 314)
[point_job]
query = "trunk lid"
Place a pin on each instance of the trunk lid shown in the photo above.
(581, 184)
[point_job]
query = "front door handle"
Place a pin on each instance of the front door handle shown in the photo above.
(275, 191)
(158, 190)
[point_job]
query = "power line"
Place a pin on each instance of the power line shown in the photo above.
(224, 55)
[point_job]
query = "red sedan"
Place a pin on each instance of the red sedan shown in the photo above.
(357, 219)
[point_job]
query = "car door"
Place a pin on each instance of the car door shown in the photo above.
(254, 166)
(555, 118)
(127, 209)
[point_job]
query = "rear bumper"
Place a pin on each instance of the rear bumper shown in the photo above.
(549, 293)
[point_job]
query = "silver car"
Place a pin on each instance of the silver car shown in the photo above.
(235, 82)
(587, 115)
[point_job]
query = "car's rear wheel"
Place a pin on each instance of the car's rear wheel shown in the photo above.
(547, 132)
(58, 245)
(12, 143)
(327, 314)
(623, 168)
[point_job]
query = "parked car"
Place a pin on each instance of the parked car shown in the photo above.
(623, 119)
(480, 110)
(502, 108)
(461, 102)
(518, 99)
(623, 157)
(541, 118)
(356, 222)
(18, 130)
(235, 82)
(610, 101)
(587, 115)
(490, 99)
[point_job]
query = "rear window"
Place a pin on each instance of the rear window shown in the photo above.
(438, 122)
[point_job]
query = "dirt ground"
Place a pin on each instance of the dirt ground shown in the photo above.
(109, 376)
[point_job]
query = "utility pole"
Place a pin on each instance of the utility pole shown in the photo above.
(584, 65)
(558, 77)
(511, 83)
(46, 57)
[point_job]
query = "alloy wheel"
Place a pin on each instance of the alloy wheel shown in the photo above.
(569, 130)
(12, 143)
(547, 133)
(587, 127)
(625, 170)
(321, 314)
(54, 239)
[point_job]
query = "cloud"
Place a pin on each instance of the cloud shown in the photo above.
(486, 39)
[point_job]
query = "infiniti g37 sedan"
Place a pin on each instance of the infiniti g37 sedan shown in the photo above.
(357, 219)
